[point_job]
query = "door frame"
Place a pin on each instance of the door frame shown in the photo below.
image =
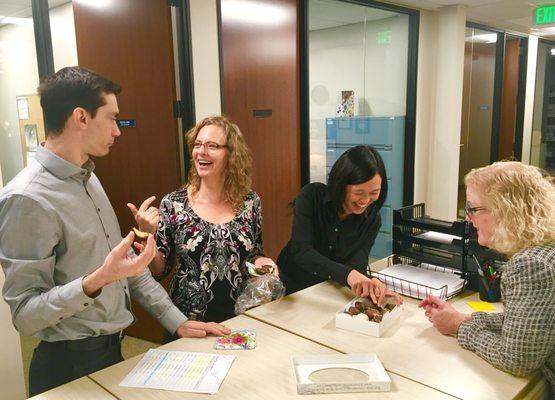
(412, 72)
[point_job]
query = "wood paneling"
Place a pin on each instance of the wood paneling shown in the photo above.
(508, 102)
(260, 59)
(130, 42)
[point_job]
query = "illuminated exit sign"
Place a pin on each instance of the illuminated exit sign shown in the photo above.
(545, 15)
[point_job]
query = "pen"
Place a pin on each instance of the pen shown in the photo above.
(490, 269)
(482, 277)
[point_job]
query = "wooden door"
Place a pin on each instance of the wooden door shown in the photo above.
(130, 42)
(507, 127)
(260, 59)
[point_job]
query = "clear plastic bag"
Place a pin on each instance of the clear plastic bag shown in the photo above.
(259, 290)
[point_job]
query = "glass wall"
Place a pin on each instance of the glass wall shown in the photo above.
(477, 104)
(358, 59)
(21, 119)
(542, 151)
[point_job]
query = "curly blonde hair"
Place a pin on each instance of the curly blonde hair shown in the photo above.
(238, 172)
(521, 201)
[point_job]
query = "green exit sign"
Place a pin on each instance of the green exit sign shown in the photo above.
(545, 15)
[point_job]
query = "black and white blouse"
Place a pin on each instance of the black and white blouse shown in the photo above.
(210, 258)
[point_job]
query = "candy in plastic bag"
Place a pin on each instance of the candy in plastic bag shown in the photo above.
(259, 290)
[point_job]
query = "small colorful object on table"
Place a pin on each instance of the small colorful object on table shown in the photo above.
(237, 340)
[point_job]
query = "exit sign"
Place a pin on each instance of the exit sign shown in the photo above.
(545, 15)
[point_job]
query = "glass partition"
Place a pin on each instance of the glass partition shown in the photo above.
(542, 151)
(358, 63)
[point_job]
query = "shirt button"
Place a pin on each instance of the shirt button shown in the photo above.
(337, 230)
(125, 288)
(108, 236)
(330, 246)
(329, 277)
(85, 304)
(61, 318)
(98, 209)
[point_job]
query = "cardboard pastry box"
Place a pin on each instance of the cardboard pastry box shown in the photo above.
(340, 373)
(343, 320)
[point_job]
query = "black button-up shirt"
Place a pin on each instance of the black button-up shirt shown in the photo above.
(321, 245)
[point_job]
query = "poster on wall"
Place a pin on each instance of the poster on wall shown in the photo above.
(31, 125)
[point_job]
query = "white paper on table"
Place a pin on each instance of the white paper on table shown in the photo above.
(179, 370)
(438, 237)
(409, 280)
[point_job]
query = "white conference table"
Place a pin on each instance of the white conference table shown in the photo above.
(80, 389)
(412, 348)
(265, 372)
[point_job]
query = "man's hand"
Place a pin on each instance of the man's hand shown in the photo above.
(201, 329)
(147, 217)
(443, 315)
(118, 265)
(363, 286)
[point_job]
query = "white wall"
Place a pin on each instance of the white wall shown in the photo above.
(64, 45)
(425, 101)
(532, 120)
(444, 111)
(206, 58)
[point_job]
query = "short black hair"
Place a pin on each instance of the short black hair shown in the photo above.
(69, 88)
(357, 165)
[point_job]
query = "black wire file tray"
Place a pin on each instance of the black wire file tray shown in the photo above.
(424, 246)
(420, 290)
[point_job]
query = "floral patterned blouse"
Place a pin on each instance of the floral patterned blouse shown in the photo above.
(210, 258)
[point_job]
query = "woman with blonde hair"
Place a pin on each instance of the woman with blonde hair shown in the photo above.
(512, 207)
(211, 226)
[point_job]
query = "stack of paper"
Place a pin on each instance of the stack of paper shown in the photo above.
(418, 282)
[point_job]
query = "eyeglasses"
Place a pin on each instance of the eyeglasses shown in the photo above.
(209, 146)
(469, 210)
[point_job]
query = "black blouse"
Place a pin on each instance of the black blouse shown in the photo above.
(321, 245)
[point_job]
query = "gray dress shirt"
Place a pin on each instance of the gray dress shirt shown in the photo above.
(521, 339)
(57, 225)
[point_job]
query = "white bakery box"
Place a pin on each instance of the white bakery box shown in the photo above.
(340, 373)
(343, 320)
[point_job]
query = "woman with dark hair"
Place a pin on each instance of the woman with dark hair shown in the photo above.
(334, 226)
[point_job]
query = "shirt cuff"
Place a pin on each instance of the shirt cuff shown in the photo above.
(467, 329)
(172, 319)
(74, 298)
(343, 279)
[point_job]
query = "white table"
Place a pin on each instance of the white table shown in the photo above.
(265, 372)
(413, 348)
(79, 389)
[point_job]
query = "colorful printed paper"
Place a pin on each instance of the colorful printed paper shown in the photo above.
(237, 340)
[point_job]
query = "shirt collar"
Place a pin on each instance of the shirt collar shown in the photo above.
(61, 168)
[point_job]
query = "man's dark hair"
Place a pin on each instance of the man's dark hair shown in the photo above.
(357, 165)
(69, 88)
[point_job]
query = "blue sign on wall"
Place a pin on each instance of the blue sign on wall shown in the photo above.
(126, 123)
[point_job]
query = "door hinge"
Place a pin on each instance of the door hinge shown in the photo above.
(178, 108)
(175, 3)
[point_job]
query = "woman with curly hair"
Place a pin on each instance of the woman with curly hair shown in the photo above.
(211, 226)
(512, 206)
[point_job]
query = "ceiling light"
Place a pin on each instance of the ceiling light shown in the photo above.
(16, 21)
(486, 37)
(94, 3)
(253, 13)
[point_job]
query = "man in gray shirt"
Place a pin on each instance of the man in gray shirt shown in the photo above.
(69, 274)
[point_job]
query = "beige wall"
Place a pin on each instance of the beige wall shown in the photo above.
(206, 59)
(529, 116)
(439, 104)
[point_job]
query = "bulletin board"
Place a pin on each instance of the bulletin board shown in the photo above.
(31, 125)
